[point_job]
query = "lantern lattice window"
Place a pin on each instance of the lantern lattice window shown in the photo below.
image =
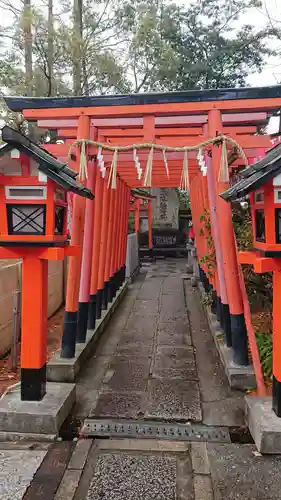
(26, 219)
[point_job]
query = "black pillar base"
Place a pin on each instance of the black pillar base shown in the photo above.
(239, 339)
(151, 253)
(114, 286)
(105, 296)
(219, 312)
(33, 383)
(214, 302)
(226, 324)
(206, 283)
(110, 289)
(99, 303)
(124, 272)
(92, 312)
(122, 275)
(68, 340)
(82, 323)
(276, 396)
(201, 275)
(118, 279)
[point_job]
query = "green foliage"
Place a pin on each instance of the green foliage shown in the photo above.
(183, 199)
(242, 223)
(131, 223)
(265, 347)
(200, 46)
(207, 299)
(259, 286)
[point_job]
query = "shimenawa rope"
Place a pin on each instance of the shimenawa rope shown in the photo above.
(218, 140)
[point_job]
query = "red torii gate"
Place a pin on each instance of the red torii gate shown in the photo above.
(173, 119)
(142, 200)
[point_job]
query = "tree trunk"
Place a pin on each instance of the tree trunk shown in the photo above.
(50, 47)
(77, 46)
(28, 46)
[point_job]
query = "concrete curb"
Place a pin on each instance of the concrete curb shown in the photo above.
(239, 377)
(43, 417)
(263, 424)
(133, 276)
(66, 370)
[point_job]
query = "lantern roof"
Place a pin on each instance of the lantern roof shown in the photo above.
(256, 175)
(47, 163)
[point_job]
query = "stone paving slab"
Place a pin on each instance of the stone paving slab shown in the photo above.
(173, 339)
(132, 342)
(228, 411)
(145, 306)
(203, 488)
(141, 350)
(174, 363)
(141, 324)
(119, 405)
(171, 316)
(149, 292)
(175, 328)
(238, 472)
(80, 454)
(68, 485)
(49, 475)
(146, 445)
(129, 374)
(17, 469)
(199, 457)
(174, 399)
(221, 405)
(174, 303)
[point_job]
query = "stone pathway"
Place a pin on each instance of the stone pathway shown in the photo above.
(152, 372)
(18, 464)
(156, 362)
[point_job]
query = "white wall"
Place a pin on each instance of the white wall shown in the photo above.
(10, 281)
(132, 257)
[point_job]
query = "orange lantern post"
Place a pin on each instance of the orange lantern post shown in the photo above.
(33, 226)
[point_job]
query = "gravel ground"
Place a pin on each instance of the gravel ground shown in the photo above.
(133, 477)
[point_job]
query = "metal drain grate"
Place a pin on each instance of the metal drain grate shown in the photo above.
(132, 429)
